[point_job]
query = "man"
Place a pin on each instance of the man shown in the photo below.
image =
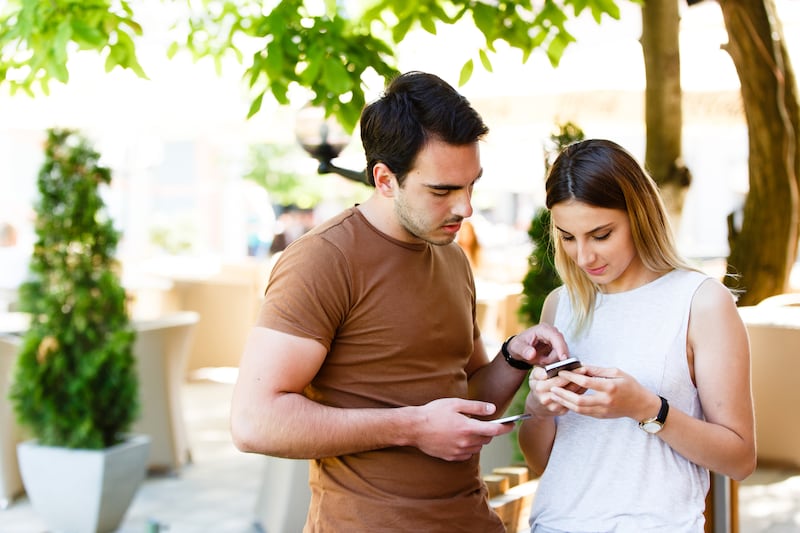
(366, 357)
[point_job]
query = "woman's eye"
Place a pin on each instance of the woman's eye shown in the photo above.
(602, 237)
(567, 238)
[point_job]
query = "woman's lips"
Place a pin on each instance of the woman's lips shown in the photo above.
(596, 271)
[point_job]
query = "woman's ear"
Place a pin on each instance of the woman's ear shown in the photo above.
(385, 180)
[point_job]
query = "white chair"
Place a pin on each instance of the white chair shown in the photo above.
(774, 332)
(227, 310)
(162, 350)
(10, 480)
(787, 299)
(284, 495)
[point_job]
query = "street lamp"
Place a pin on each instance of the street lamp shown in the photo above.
(324, 139)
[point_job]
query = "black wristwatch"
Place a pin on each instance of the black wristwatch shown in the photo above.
(516, 363)
(655, 424)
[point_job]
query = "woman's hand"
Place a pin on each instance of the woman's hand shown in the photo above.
(541, 402)
(615, 394)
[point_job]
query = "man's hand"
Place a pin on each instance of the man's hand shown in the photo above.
(447, 429)
(539, 345)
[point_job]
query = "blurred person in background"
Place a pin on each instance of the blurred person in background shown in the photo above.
(292, 223)
(14, 258)
(467, 238)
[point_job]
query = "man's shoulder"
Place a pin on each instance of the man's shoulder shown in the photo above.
(344, 223)
(333, 237)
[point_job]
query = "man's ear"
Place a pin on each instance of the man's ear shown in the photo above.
(385, 180)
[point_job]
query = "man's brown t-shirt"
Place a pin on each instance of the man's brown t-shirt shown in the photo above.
(398, 320)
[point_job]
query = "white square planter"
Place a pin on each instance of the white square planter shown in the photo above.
(83, 491)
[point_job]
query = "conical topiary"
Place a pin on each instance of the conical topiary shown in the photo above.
(75, 384)
(541, 277)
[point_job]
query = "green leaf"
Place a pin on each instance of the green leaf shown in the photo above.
(86, 36)
(555, 49)
(609, 7)
(466, 73)
(312, 69)
(401, 29)
(484, 17)
(428, 24)
(485, 60)
(132, 24)
(336, 77)
(273, 61)
(110, 62)
(128, 54)
(280, 90)
(58, 52)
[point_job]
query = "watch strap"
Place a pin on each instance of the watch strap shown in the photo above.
(516, 363)
(654, 425)
(661, 417)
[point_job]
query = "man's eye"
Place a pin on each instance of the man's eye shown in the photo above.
(440, 193)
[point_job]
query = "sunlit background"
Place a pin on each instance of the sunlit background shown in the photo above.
(180, 149)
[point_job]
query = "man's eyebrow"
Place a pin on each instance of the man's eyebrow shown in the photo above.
(446, 187)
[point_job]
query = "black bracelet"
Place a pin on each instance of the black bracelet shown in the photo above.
(516, 363)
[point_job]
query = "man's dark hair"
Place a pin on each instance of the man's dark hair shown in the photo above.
(414, 108)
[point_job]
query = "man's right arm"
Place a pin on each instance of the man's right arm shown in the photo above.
(270, 415)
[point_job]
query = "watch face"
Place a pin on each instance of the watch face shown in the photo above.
(651, 426)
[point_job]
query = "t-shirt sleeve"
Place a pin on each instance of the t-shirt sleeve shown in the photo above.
(308, 293)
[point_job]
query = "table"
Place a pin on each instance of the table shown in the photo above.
(161, 351)
(14, 323)
(10, 480)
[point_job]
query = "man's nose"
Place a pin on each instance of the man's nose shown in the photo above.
(463, 206)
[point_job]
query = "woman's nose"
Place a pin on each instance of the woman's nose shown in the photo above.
(585, 255)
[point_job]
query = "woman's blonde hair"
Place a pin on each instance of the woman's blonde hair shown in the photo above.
(601, 173)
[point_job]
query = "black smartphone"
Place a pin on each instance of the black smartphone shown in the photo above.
(567, 364)
(512, 418)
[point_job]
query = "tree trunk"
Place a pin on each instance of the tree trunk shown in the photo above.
(663, 109)
(763, 251)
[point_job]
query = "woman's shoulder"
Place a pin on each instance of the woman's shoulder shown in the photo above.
(712, 291)
(685, 281)
(550, 305)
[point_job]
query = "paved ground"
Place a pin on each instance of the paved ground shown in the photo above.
(218, 491)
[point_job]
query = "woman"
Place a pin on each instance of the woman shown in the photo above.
(625, 443)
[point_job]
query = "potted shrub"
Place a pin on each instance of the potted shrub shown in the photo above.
(542, 277)
(75, 385)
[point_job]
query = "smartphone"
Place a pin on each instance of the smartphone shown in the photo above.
(512, 418)
(567, 364)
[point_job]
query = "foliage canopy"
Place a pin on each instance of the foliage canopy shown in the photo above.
(326, 47)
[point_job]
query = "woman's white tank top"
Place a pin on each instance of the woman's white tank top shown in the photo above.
(608, 475)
